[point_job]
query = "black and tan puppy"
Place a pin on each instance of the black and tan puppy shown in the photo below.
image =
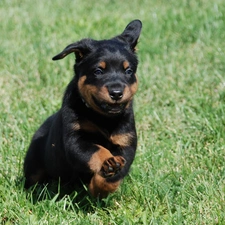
(92, 137)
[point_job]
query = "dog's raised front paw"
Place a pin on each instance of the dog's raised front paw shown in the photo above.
(112, 165)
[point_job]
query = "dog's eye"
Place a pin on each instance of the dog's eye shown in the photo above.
(98, 72)
(128, 71)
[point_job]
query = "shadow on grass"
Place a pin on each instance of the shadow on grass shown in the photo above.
(74, 196)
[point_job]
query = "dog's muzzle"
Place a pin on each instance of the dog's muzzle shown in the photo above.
(111, 108)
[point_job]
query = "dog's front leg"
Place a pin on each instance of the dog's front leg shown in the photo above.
(104, 165)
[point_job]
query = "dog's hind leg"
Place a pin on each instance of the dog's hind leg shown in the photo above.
(34, 167)
(34, 164)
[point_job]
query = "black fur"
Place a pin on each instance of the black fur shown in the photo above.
(93, 133)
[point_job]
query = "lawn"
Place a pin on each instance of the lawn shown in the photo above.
(178, 176)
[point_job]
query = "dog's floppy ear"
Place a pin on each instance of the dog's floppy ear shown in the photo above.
(131, 33)
(80, 48)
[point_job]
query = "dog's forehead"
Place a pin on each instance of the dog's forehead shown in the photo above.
(112, 50)
(110, 55)
(111, 46)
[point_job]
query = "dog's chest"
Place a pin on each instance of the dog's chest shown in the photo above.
(100, 134)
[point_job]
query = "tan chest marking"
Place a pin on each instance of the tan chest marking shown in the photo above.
(122, 140)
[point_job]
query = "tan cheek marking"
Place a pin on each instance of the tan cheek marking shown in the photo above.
(130, 91)
(134, 88)
(102, 65)
(103, 94)
(122, 140)
(87, 91)
(126, 64)
(97, 159)
(99, 187)
(81, 82)
(127, 93)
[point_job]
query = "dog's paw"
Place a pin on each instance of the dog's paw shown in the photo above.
(112, 165)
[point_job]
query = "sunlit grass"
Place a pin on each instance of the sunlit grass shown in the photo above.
(179, 171)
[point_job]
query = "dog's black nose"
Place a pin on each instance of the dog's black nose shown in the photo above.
(116, 94)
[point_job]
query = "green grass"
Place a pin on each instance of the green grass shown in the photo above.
(178, 176)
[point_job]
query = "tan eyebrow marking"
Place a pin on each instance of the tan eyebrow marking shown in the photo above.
(102, 65)
(126, 64)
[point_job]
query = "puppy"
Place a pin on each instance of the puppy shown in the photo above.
(92, 137)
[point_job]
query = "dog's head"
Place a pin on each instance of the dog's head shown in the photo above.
(106, 70)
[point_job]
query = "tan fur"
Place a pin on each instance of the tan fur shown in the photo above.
(87, 91)
(76, 126)
(99, 187)
(98, 158)
(122, 139)
(102, 65)
(126, 64)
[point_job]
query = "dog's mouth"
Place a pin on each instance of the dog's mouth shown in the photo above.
(110, 108)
